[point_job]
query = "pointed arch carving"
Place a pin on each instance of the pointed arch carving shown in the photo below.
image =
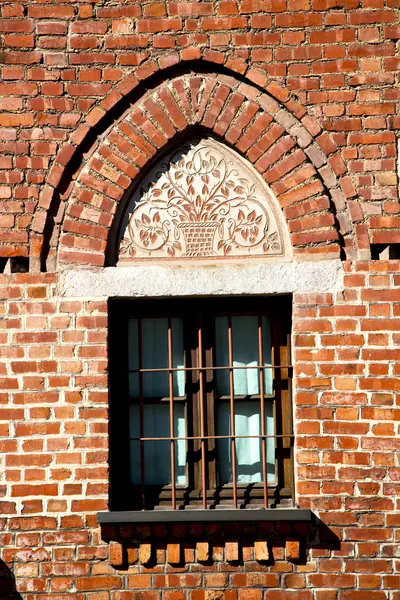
(201, 200)
(299, 163)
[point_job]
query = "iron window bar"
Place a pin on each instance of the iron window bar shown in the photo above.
(210, 437)
(232, 437)
(201, 368)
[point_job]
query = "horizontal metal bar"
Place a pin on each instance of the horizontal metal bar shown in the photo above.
(204, 515)
(227, 368)
(209, 437)
(218, 398)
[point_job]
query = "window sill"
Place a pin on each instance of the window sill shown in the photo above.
(204, 516)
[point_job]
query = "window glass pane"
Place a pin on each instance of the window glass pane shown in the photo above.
(155, 356)
(245, 354)
(157, 455)
(248, 450)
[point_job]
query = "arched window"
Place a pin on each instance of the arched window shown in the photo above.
(200, 387)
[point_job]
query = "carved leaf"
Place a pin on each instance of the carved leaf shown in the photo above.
(200, 183)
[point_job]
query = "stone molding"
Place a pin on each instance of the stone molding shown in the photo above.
(144, 280)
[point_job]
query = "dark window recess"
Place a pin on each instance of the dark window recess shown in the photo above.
(200, 407)
(385, 251)
(15, 264)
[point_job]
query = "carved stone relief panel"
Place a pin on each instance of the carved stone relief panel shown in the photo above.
(202, 201)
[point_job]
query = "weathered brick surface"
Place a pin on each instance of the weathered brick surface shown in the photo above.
(54, 441)
(308, 93)
(67, 68)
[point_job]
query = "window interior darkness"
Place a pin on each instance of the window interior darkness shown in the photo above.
(200, 411)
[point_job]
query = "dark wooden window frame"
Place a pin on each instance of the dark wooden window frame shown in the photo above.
(203, 491)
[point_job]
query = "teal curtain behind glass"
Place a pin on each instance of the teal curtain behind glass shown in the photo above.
(246, 382)
(156, 416)
(157, 457)
(156, 385)
(245, 354)
(155, 356)
(248, 450)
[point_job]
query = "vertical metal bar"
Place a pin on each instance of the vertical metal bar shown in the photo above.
(262, 411)
(171, 412)
(141, 417)
(289, 375)
(202, 421)
(232, 411)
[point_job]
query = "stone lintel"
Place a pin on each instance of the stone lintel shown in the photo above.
(145, 280)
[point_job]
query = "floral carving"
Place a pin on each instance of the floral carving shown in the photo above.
(203, 201)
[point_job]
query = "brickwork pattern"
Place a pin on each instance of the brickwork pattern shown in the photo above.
(66, 68)
(306, 90)
(54, 442)
(302, 171)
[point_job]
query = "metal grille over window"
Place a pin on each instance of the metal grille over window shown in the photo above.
(209, 416)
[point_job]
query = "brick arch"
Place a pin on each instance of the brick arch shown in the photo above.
(300, 163)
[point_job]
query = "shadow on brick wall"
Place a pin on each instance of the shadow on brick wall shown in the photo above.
(237, 542)
(324, 537)
(8, 590)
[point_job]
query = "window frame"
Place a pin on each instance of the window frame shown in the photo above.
(126, 496)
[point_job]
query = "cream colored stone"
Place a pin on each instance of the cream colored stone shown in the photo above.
(193, 279)
(203, 201)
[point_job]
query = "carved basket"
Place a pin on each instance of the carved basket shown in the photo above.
(199, 238)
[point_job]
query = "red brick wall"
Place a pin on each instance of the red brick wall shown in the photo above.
(89, 93)
(54, 441)
(68, 68)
